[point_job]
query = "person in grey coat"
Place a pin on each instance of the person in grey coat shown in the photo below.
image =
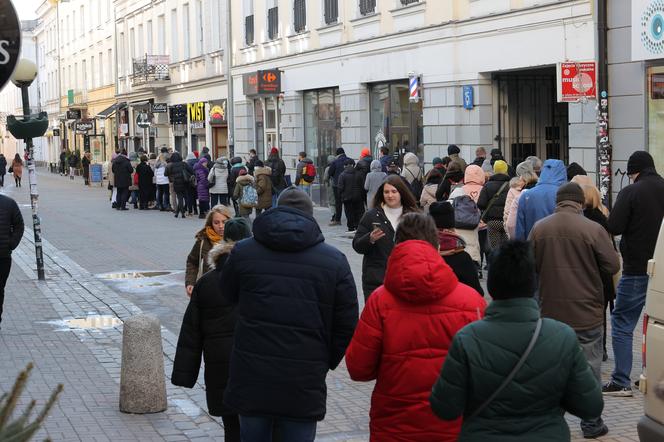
(373, 181)
(218, 175)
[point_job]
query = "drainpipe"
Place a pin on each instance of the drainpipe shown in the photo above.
(604, 148)
(228, 62)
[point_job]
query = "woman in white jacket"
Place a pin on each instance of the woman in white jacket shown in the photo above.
(219, 176)
(161, 181)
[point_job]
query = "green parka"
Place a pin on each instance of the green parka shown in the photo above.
(555, 378)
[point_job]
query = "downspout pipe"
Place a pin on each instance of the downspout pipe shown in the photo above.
(603, 144)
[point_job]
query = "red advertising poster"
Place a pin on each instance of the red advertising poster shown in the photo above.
(577, 81)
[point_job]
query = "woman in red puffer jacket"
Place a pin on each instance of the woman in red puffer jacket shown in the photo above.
(405, 332)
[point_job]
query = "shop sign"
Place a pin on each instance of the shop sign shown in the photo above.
(10, 41)
(56, 132)
(159, 108)
(74, 114)
(196, 115)
(266, 82)
(218, 112)
(647, 30)
(576, 81)
(143, 120)
(84, 126)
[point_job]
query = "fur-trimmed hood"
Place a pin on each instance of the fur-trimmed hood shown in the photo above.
(265, 170)
(217, 252)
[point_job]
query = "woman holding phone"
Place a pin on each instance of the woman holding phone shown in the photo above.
(374, 237)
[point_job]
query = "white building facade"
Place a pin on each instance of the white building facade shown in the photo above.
(171, 72)
(345, 68)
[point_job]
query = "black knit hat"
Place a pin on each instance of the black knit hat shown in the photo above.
(639, 161)
(236, 229)
(452, 149)
(575, 169)
(512, 271)
(340, 150)
(442, 213)
(570, 192)
(297, 199)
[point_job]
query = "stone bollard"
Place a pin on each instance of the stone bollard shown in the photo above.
(142, 383)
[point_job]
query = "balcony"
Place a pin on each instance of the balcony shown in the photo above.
(151, 72)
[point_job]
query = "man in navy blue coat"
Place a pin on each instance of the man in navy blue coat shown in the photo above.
(297, 311)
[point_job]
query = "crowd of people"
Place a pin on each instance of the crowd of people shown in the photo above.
(446, 365)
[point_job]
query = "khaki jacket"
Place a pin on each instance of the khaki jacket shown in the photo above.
(571, 251)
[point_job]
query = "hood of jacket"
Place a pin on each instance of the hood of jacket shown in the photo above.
(553, 172)
(237, 165)
(307, 161)
(375, 166)
(202, 163)
(243, 180)
(221, 249)
(265, 170)
(286, 229)
(474, 179)
(410, 159)
(222, 161)
(175, 157)
(416, 273)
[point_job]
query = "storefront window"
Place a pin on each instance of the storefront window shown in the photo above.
(322, 125)
(395, 121)
(656, 115)
(258, 118)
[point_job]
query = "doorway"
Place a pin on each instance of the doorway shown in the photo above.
(529, 119)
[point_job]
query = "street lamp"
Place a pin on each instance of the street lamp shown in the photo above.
(29, 127)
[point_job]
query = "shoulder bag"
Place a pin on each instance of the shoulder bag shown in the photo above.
(200, 262)
(493, 200)
(513, 373)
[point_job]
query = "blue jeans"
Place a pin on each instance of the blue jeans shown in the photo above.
(630, 299)
(261, 429)
(306, 188)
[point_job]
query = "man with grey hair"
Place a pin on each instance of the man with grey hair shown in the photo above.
(536, 162)
(297, 310)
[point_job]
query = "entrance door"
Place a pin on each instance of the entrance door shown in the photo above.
(529, 120)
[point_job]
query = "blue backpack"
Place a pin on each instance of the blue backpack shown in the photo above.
(466, 213)
(249, 198)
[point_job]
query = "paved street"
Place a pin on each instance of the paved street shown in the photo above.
(87, 248)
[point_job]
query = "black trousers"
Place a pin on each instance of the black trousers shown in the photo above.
(122, 197)
(354, 211)
(182, 205)
(5, 267)
(191, 196)
(231, 427)
(144, 197)
(337, 204)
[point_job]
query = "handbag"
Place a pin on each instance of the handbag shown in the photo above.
(200, 262)
(213, 181)
(513, 373)
(10, 170)
(493, 200)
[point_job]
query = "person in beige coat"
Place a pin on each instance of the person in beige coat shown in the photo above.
(526, 178)
(262, 174)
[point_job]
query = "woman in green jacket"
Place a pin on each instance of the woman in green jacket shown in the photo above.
(555, 377)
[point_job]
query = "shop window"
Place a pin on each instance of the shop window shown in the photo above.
(367, 7)
(322, 125)
(656, 115)
(331, 11)
(299, 15)
(395, 121)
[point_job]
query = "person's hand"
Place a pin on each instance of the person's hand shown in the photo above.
(375, 235)
(190, 288)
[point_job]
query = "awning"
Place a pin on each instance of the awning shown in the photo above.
(108, 112)
(139, 103)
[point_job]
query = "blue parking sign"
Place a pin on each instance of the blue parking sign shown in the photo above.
(468, 97)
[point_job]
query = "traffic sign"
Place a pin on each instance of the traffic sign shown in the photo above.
(10, 41)
(468, 97)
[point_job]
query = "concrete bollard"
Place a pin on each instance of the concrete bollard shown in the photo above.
(142, 382)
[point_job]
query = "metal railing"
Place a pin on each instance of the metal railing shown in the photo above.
(150, 68)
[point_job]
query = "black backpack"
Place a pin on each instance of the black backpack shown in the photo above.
(416, 186)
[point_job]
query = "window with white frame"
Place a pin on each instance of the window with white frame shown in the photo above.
(141, 37)
(272, 19)
(161, 34)
(148, 39)
(330, 11)
(185, 32)
(82, 20)
(84, 75)
(174, 35)
(121, 54)
(132, 43)
(367, 7)
(199, 27)
(249, 36)
(93, 77)
(299, 15)
(109, 70)
(100, 69)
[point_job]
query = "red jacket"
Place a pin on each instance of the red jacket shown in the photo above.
(403, 336)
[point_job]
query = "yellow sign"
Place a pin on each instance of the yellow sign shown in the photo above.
(196, 111)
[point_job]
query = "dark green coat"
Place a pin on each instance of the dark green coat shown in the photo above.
(555, 378)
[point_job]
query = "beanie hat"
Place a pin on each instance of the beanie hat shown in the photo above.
(525, 168)
(365, 152)
(259, 163)
(274, 151)
(436, 160)
(496, 154)
(349, 162)
(297, 199)
(236, 160)
(570, 192)
(500, 167)
(639, 161)
(442, 213)
(452, 149)
(236, 229)
(575, 169)
(164, 149)
(242, 172)
(512, 271)
(340, 151)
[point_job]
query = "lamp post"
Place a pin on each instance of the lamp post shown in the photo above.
(24, 74)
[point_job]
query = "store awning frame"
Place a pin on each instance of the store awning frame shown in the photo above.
(108, 112)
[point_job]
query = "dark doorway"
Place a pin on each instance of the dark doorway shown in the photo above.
(530, 121)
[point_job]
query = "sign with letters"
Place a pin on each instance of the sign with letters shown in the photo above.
(266, 83)
(159, 108)
(84, 126)
(10, 41)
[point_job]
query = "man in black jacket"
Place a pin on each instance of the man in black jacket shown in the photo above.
(637, 216)
(297, 310)
(122, 170)
(336, 168)
(11, 232)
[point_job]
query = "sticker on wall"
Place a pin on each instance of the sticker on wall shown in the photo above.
(647, 29)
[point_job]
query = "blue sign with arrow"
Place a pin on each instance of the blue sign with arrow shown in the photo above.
(468, 97)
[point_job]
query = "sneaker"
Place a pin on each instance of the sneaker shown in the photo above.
(334, 223)
(613, 389)
(601, 431)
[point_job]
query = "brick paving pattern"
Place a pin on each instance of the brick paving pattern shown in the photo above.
(85, 238)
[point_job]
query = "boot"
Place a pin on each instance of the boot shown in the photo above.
(176, 214)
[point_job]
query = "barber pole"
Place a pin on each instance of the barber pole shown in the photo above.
(414, 86)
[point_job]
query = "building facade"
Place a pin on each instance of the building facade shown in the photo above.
(345, 67)
(171, 87)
